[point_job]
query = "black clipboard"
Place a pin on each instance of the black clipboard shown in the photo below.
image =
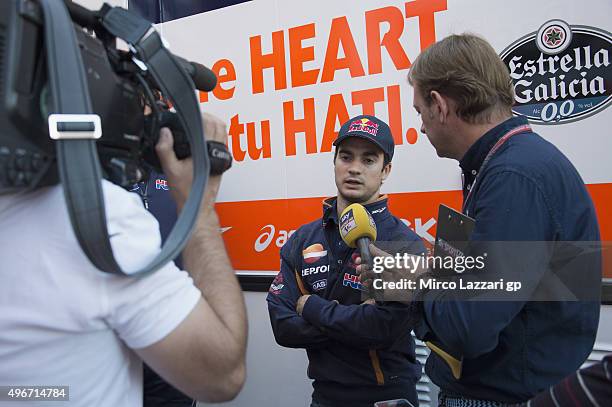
(452, 238)
(453, 234)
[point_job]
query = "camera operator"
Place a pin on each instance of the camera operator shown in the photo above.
(65, 323)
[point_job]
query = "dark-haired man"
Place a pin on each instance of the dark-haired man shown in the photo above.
(359, 352)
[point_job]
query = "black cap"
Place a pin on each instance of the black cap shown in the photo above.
(369, 128)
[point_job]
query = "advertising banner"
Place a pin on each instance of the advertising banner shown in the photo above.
(291, 72)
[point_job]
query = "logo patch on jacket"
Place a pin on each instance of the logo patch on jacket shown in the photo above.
(161, 184)
(314, 253)
(315, 270)
(319, 285)
(352, 281)
(277, 284)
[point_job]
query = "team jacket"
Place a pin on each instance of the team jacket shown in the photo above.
(528, 192)
(156, 198)
(358, 354)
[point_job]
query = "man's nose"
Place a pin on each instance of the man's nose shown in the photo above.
(355, 167)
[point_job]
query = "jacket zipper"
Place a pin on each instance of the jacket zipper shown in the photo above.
(380, 377)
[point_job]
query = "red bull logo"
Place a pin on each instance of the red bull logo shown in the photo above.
(364, 125)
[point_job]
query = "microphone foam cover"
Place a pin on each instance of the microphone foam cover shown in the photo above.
(204, 79)
(356, 222)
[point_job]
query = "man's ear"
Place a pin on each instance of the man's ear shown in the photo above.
(440, 106)
(386, 171)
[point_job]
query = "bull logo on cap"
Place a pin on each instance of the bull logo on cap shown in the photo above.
(364, 125)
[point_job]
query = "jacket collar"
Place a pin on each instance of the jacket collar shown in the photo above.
(378, 209)
(473, 159)
(471, 162)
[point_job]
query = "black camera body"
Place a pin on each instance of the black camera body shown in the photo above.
(75, 108)
(119, 87)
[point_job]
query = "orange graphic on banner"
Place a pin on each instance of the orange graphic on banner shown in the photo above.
(258, 229)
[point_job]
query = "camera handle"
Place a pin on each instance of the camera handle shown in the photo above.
(78, 164)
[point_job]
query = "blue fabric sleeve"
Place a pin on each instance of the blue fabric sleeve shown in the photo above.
(366, 326)
(510, 208)
(290, 329)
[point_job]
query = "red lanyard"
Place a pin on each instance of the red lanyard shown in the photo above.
(517, 130)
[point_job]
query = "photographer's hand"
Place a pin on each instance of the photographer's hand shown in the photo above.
(180, 172)
(205, 354)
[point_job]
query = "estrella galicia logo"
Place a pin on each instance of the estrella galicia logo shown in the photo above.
(561, 73)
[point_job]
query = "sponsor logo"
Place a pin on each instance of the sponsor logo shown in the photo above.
(314, 253)
(352, 281)
(381, 210)
(276, 289)
(277, 284)
(448, 248)
(346, 216)
(364, 125)
(319, 285)
(372, 223)
(161, 184)
(347, 227)
(268, 235)
(347, 223)
(422, 229)
(315, 270)
(561, 73)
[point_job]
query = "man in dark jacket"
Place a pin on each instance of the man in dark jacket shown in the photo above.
(155, 195)
(519, 188)
(359, 352)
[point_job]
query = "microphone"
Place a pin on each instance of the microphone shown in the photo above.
(358, 230)
(203, 78)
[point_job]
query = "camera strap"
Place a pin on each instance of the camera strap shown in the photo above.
(78, 164)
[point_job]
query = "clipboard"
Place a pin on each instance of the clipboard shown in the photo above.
(454, 230)
(452, 238)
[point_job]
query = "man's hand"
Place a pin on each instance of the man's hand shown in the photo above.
(180, 172)
(366, 274)
(390, 274)
(205, 355)
(299, 307)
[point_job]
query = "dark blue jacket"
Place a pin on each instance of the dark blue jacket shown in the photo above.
(156, 198)
(512, 350)
(358, 354)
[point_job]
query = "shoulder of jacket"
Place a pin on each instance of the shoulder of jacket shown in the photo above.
(303, 234)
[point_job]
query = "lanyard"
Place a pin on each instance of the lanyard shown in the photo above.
(517, 130)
